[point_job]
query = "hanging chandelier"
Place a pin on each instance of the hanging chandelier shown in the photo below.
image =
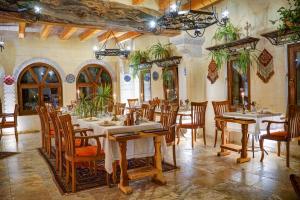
(100, 53)
(194, 22)
(1, 44)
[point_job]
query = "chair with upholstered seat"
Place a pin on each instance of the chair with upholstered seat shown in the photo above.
(75, 155)
(197, 120)
(292, 131)
(9, 120)
(219, 108)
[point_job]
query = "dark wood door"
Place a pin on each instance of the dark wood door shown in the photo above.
(294, 74)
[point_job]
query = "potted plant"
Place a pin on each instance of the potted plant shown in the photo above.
(220, 57)
(136, 58)
(227, 33)
(102, 98)
(159, 51)
(290, 17)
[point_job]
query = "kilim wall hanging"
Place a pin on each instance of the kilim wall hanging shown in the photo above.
(212, 72)
(265, 68)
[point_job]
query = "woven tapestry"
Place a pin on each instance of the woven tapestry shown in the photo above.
(212, 72)
(265, 68)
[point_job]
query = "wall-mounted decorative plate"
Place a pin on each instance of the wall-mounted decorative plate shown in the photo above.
(127, 78)
(70, 78)
(147, 77)
(155, 75)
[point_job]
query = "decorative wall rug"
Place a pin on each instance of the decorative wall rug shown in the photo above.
(7, 154)
(212, 72)
(265, 69)
(84, 179)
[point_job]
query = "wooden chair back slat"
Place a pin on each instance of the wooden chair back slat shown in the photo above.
(132, 102)
(220, 107)
(145, 108)
(120, 108)
(198, 113)
(56, 127)
(68, 133)
(46, 120)
(168, 120)
(294, 122)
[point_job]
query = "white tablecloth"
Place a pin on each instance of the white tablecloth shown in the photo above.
(258, 127)
(135, 148)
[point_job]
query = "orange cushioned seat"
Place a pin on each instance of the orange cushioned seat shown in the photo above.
(87, 151)
(77, 142)
(7, 124)
(280, 134)
(187, 126)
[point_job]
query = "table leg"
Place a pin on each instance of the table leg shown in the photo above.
(244, 157)
(124, 183)
(224, 133)
(159, 177)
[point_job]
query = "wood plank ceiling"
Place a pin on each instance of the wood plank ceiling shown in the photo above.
(95, 18)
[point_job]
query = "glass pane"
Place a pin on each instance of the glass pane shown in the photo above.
(169, 82)
(51, 77)
(105, 78)
(239, 82)
(27, 78)
(40, 72)
(51, 95)
(86, 91)
(93, 72)
(83, 78)
(30, 98)
(297, 60)
(147, 86)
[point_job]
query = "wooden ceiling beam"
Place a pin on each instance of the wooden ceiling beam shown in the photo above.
(163, 5)
(22, 28)
(87, 34)
(107, 35)
(67, 32)
(46, 29)
(137, 2)
(128, 35)
(199, 4)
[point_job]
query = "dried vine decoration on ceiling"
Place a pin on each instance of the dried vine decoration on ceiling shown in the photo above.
(212, 72)
(265, 69)
(280, 37)
(103, 51)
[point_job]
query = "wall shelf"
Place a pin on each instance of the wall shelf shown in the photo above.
(234, 46)
(282, 37)
(168, 62)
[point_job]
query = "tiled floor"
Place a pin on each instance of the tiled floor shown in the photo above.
(203, 175)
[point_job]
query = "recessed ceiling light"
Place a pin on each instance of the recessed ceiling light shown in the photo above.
(37, 9)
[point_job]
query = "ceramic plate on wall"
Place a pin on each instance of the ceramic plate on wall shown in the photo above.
(155, 75)
(70, 78)
(127, 78)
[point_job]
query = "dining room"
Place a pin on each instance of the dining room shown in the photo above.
(150, 99)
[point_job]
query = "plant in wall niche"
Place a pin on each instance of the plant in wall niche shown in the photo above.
(220, 57)
(136, 58)
(227, 33)
(167, 78)
(159, 51)
(290, 17)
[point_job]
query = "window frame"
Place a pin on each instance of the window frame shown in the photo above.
(92, 83)
(142, 83)
(174, 69)
(38, 85)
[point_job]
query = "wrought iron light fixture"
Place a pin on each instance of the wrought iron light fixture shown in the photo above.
(103, 51)
(188, 20)
(1, 44)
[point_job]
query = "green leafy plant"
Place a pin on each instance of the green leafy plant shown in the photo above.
(220, 57)
(290, 17)
(159, 51)
(167, 78)
(102, 97)
(136, 58)
(227, 33)
(84, 107)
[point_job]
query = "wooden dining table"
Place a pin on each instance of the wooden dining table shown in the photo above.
(226, 146)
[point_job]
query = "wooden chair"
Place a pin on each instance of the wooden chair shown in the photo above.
(219, 108)
(10, 120)
(48, 131)
(168, 121)
(295, 180)
(292, 131)
(38, 110)
(74, 155)
(120, 108)
(59, 139)
(145, 108)
(151, 112)
(132, 102)
(197, 120)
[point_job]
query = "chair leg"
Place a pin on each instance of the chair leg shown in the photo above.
(114, 175)
(261, 144)
(278, 147)
(178, 134)
(57, 160)
(1, 133)
(288, 154)
(204, 139)
(174, 155)
(60, 163)
(16, 134)
(252, 146)
(67, 171)
(195, 135)
(192, 138)
(73, 177)
(216, 138)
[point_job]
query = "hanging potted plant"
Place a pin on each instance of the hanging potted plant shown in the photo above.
(227, 33)
(220, 57)
(290, 17)
(159, 51)
(137, 58)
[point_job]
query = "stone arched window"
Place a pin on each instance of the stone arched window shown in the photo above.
(90, 77)
(38, 83)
